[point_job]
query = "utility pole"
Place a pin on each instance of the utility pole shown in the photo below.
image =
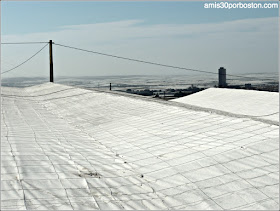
(51, 62)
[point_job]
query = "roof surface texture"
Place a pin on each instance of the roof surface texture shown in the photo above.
(256, 104)
(74, 149)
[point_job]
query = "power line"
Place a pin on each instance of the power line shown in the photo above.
(135, 60)
(24, 61)
(19, 43)
(153, 63)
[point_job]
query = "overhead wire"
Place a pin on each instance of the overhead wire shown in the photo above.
(148, 62)
(135, 60)
(18, 43)
(24, 61)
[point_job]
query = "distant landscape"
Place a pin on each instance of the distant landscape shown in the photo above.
(145, 81)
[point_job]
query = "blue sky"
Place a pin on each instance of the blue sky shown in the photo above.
(26, 17)
(176, 33)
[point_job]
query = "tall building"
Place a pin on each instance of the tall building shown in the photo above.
(222, 77)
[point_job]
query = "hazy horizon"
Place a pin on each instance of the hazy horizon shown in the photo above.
(143, 81)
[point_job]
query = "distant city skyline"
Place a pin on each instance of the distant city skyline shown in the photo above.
(174, 33)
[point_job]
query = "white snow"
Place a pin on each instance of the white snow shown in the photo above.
(257, 104)
(65, 148)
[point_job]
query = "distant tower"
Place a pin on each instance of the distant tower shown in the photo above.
(222, 77)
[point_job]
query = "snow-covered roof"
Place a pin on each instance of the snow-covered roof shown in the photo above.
(75, 149)
(252, 103)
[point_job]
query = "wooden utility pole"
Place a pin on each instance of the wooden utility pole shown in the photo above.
(51, 62)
